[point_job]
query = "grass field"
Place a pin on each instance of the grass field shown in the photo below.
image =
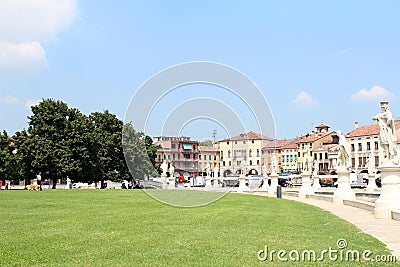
(127, 227)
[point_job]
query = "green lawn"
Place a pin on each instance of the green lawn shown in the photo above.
(127, 227)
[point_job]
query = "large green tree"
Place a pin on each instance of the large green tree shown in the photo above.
(136, 153)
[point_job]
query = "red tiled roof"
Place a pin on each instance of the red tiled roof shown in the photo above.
(372, 129)
(277, 144)
(322, 126)
(247, 136)
(309, 138)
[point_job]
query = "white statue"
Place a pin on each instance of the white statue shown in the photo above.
(164, 167)
(343, 152)
(171, 171)
(264, 170)
(273, 164)
(208, 169)
(216, 171)
(387, 132)
(371, 164)
(306, 163)
(243, 165)
(315, 167)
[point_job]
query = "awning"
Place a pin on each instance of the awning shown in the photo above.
(187, 146)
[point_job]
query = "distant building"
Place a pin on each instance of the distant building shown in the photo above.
(180, 152)
(208, 154)
(244, 147)
(309, 143)
(363, 142)
(284, 155)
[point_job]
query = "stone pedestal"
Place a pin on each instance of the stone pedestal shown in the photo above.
(215, 184)
(164, 184)
(390, 195)
(171, 182)
(208, 185)
(343, 190)
(242, 184)
(265, 185)
(306, 185)
(316, 186)
(274, 184)
(372, 187)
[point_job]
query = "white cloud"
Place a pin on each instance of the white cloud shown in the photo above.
(9, 99)
(31, 102)
(304, 100)
(25, 25)
(22, 57)
(375, 93)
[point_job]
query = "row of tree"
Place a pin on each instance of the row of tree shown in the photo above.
(63, 142)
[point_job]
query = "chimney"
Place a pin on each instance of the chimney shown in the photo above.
(356, 125)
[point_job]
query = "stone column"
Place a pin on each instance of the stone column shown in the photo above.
(274, 184)
(343, 190)
(242, 184)
(265, 186)
(306, 188)
(372, 187)
(390, 195)
(164, 184)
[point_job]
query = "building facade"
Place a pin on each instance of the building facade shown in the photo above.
(208, 154)
(277, 148)
(181, 152)
(246, 147)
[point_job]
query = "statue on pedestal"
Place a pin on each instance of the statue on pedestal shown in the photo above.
(243, 165)
(164, 167)
(343, 152)
(387, 133)
(315, 168)
(208, 169)
(371, 164)
(171, 170)
(274, 165)
(264, 170)
(216, 171)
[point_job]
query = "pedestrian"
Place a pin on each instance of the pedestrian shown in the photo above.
(39, 180)
(6, 186)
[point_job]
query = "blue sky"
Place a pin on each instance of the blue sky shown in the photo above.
(315, 61)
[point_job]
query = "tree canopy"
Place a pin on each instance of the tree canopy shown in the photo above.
(63, 142)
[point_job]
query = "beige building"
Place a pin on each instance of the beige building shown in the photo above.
(284, 156)
(364, 141)
(289, 157)
(208, 154)
(309, 143)
(245, 147)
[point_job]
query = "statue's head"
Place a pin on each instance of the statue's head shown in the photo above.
(384, 105)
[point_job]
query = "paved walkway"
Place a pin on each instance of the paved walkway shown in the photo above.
(385, 230)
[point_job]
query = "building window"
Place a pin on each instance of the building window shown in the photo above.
(169, 157)
(258, 152)
(229, 154)
(258, 162)
(310, 153)
(235, 142)
(173, 146)
(173, 156)
(298, 154)
(315, 156)
(186, 156)
(320, 156)
(326, 155)
(179, 156)
(250, 153)
(230, 163)
(223, 163)
(215, 157)
(376, 146)
(159, 157)
(368, 146)
(238, 163)
(352, 147)
(227, 143)
(353, 162)
(222, 154)
(251, 162)
(209, 157)
(252, 141)
(244, 142)
(359, 147)
(164, 157)
(199, 157)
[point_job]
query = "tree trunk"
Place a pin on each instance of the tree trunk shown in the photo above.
(102, 184)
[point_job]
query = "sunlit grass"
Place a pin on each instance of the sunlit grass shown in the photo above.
(127, 227)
